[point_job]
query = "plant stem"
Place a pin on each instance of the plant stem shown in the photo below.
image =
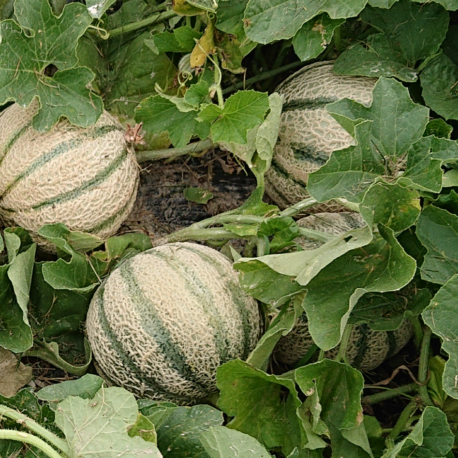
(197, 234)
(8, 434)
(35, 427)
(342, 354)
(390, 393)
(262, 246)
(157, 155)
(262, 76)
(299, 207)
(317, 236)
(417, 331)
(410, 408)
(423, 367)
(143, 23)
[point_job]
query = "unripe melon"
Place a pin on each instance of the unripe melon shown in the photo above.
(85, 178)
(166, 319)
(308, 133)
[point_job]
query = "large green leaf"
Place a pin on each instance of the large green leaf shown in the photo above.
(98, 427)
(430, 437)
(272, 20)
(179, 434)
(441, 317)
(437, 230)
(49, 41)
(380, 266)
(256, 402)
(334, 391)
(438, 81)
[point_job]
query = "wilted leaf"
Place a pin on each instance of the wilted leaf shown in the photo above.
(14, 375)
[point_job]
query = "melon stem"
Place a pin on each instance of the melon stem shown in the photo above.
(11, 434)
(423, 368)
(36, 428)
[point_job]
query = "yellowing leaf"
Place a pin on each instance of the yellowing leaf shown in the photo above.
(203, 48)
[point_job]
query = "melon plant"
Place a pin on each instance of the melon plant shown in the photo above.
(166, 319)
(308, 133)
(85, 178)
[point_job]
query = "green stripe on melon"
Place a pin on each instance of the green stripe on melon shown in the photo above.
(166, 319)
(308, 133)
(84, 178)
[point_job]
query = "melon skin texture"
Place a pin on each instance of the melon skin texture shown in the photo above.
(366, 350)
(85, 178)
(308, 133)
(166, 319)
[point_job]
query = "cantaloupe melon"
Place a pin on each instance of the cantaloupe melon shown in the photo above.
(163, 322)
(85, 178)
(308, 133)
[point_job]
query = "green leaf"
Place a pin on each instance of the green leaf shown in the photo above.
(280, 326)
(99, 425)
(143, 428)
(134, 72)
(15, 281)
(222, 442)
(254, 399)
(430, 437)
(242, 111)
(348, 172)
(97, 8)
(198, 195)
(182, 39)
(440, 316)
(401, 24)
(272, 20)
(85, 387)
(439, 128)
(331, 295)
(25, 57)
(438, 81)
(374, 58)
(178, 434)
(451, 5)
(391, 205)
(437, 230)
(314, 36)
(337, 388)
(159, 114)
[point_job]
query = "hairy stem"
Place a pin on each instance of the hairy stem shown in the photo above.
(342, 354)
(155, 18)
(9, 434)
(35, 427)
(299, 207)
(400, 425)
(423, 367)
(157, 155)
(390, 393)
(197, 234)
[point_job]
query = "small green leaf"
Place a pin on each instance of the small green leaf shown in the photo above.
(158, 114)
(143, 428)
(197, 195)
(314, 36)
(182, 39)
(439, 128)
(242, 111)
(222, 442)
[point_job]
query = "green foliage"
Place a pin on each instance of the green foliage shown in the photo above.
(133, 58)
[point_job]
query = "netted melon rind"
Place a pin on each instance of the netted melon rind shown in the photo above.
(308, 133)
(85, 178)
(366, 350)
(165, 320)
